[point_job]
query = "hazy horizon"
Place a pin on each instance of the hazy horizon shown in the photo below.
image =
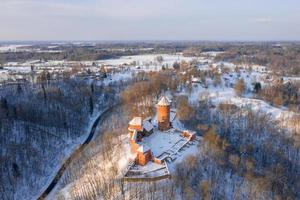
(133, 20)
(24, 42)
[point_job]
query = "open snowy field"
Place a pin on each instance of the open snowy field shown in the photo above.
(148, 60)
(12, 48)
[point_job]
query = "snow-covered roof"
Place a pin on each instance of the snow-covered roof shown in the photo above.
(196, 80)
(137, 121)
(134, 135)
(164, 101)
(148, 119)
(193, 132)
(147, 125)
(143, 148)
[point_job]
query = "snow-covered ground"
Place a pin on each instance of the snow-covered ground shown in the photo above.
(117, 77)
(98, 167)
(148, 61)
(160, 142)
(144, 61)
(73, 145)
(12, 48)
(212, 53)
(26, 48)
(224, 93)
(170, 141)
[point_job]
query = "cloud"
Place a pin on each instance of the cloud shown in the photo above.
(264, 19)
(114, 9)
(144, 19)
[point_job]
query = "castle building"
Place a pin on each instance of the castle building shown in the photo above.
(144, 155)
(163, 113)
(139, 128)
(135, 128)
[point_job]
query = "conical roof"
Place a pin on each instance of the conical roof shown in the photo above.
(164, 101)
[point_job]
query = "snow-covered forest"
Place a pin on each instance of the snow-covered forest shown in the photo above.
(41, 125)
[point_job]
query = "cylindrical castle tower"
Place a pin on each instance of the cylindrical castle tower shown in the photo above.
(163, 114)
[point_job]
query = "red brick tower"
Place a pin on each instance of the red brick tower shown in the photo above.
(163, 113)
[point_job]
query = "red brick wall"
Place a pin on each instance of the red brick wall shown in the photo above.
(134, 146)
(188, 135)
(193, 137)
(157, 161)
(138, 128)
(163, 117)
(143, 158)
(185, 134)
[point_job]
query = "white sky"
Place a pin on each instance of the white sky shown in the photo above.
(149, 20)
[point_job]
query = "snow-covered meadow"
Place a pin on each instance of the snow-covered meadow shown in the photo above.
(225, 93)
(13, 48)
(148, 62)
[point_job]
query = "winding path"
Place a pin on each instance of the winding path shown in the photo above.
(62, 169)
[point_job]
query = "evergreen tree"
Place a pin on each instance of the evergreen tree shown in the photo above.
(91, 102)
(257, 87)
(92, 88)
(19, 88)
(44, 92)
